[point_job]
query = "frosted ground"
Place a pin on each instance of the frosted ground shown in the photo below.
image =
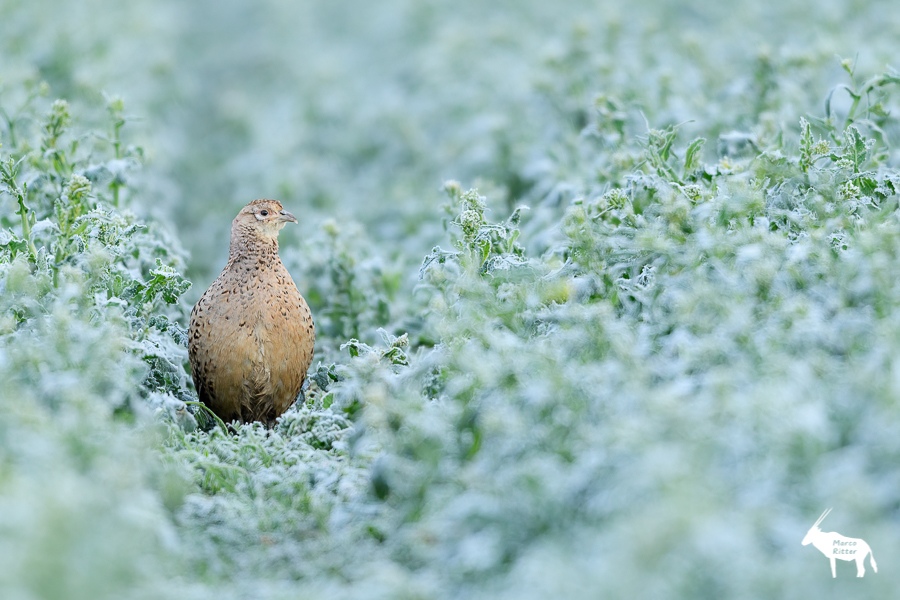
(649, 383)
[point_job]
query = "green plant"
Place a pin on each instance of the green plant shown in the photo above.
(645, 385)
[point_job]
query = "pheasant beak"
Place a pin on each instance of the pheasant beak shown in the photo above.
(286, 217)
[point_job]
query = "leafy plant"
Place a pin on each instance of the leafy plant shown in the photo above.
(645, 385)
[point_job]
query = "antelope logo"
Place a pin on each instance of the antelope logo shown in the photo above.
(834, 545)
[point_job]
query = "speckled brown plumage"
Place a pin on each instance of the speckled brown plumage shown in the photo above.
(251, 335)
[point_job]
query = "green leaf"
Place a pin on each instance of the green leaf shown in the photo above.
(867, 185)
(484, 248)
(856, 147)
(692, 155)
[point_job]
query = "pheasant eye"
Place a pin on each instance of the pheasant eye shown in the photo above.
(264, 213)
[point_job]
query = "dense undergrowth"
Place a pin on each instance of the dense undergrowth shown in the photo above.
(648, 382)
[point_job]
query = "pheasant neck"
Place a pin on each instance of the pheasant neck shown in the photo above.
(252, 247)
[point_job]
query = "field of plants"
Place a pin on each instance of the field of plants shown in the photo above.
(607, 297)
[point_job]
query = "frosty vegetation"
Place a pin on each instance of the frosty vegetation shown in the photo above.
(647, 382)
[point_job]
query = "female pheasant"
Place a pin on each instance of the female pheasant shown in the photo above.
(251, 335)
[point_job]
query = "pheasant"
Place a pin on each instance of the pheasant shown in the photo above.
(251, 335)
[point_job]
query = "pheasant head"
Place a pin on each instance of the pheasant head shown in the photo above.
(257, 226)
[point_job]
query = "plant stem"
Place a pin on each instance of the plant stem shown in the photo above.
(219, 421)
(26, 226)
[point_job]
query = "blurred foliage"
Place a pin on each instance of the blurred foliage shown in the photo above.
(649, 383)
